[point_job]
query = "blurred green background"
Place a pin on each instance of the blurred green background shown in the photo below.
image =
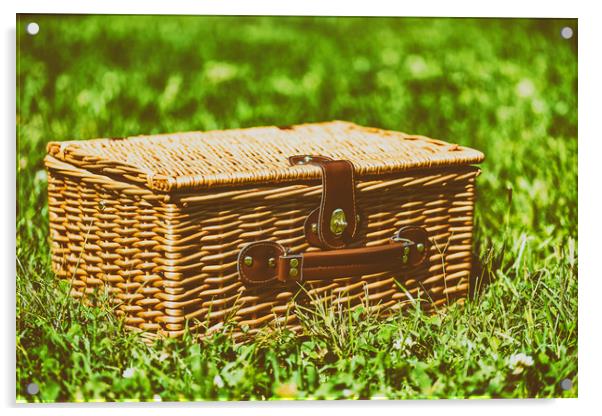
(507, 87)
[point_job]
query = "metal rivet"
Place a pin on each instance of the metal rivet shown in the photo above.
(420, 247)
(404, 259)
(293, 272)
(248, 261)
(272, 262)
(406, 250)
(294, 262)
(314, 228)
(307, 159)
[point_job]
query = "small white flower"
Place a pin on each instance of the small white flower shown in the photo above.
(40, 176)
(217, 381)
(402, 343)
(129, 372)
(525, 88)
(518, 362)
(157, 398)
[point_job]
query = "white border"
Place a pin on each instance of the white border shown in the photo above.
(516, 8)
(590, 151)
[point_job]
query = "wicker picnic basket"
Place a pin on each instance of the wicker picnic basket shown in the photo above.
(188, 230)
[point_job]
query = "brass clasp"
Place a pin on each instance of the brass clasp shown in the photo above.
(338, 222)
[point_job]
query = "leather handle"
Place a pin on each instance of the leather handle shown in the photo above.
(267, 262)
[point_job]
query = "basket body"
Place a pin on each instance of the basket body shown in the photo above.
(166, 251)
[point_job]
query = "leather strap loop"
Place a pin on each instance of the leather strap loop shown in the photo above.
(263, 263)
(257, 263)
(334, 224)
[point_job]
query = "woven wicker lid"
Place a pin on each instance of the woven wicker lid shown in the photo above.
(199, 160)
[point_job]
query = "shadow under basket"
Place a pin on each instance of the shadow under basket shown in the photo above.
(188, 230)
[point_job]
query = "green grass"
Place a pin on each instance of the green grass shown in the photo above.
(505, 87)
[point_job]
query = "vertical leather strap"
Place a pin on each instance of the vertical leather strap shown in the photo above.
(334, 224)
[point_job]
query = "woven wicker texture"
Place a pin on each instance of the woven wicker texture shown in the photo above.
(169, 259)
(252, 156)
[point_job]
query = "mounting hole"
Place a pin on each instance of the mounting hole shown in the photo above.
(32, 388)
(33, 28)
(566, 32)
(566, 384)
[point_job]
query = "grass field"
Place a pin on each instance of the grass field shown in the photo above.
(505, 87)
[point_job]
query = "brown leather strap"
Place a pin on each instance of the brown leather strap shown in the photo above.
(265, 263)
(334, 224)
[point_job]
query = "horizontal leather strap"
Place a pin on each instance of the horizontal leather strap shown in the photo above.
(266, 262)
